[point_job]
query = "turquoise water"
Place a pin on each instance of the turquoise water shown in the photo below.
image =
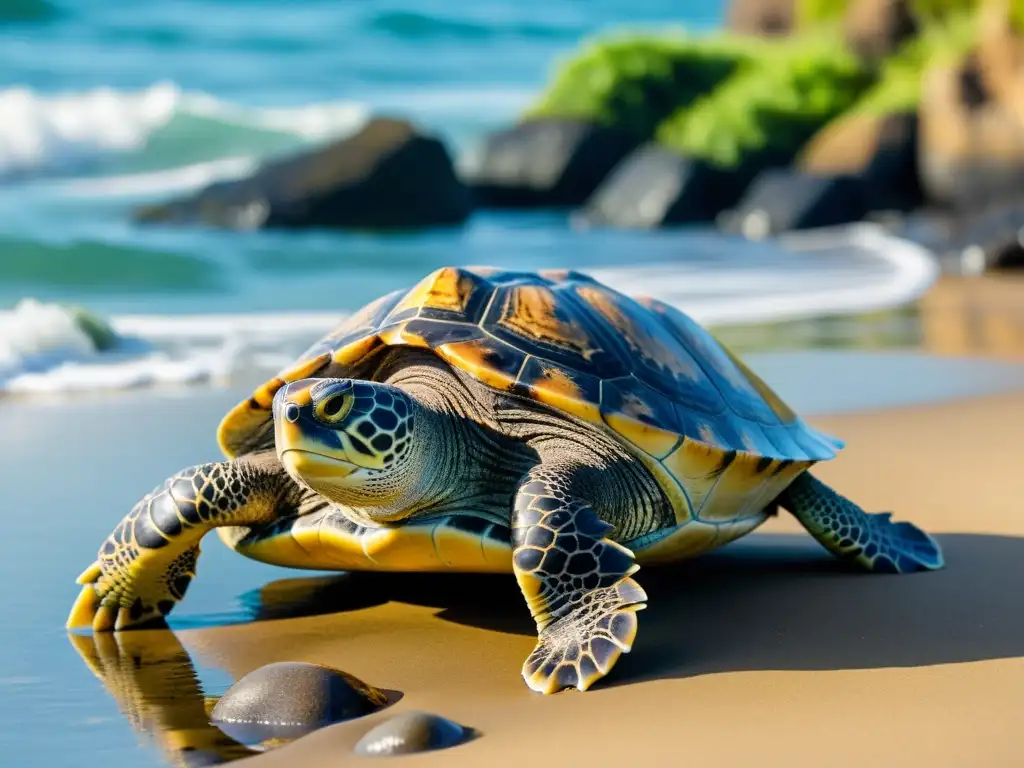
(102, 107)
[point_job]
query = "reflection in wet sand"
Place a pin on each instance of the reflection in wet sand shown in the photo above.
(974, 316)
(151, 677)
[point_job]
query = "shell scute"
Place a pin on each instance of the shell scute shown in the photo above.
(535, 317)
(731, 381)
(660, 360)
(567, 389)
(448, 293)
(434, 333)
(640, 415)
(486, 359)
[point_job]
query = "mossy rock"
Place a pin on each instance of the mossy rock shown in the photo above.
(633, 82)
(770, 107)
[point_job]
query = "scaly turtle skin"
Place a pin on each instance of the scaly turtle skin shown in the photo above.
(622, 433)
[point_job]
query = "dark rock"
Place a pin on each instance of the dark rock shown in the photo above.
(386, 176)
(544, 163)
(971, 150)
(761, 17)
(989, 240)
(875, 29)
(289, 698)
(411, 732)
(881, 150)
(787, 199)
(656, 187)
(969, 243)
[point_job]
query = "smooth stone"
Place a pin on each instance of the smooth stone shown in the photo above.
(386, 176)
(785, 199)
(880, 150)
(543, 163)
(411, 732)
(289, 698)
(656, 187)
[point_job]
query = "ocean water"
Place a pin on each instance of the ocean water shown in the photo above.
(102, 109)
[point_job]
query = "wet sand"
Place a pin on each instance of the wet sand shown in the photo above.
(767, 652)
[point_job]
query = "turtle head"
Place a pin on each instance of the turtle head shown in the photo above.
(350, 441)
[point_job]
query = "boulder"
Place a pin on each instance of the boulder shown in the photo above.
(783, 199)
(874, 29)
(655, 187)
(971, 146)
(761, 17)
(385, 176)
(880, 150)
(544, 163)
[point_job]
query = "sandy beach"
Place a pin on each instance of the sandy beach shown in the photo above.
(767, 652)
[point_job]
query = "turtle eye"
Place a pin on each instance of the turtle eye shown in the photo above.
(333, 408)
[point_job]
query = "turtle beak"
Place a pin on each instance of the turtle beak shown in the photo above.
(313, 467)
(307, 450)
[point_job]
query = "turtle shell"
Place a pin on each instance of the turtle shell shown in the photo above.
(692, 411)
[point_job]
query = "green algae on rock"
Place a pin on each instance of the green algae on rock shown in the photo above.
(716, 98)
(767, 110)
(635, 81)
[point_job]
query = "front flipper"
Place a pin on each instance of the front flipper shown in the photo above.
(873, 541)
(576, 582)
(147, 563)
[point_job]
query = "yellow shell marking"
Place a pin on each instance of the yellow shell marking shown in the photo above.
(300, 549)
(556, 388)
(530, 310)
(694, 464)
(654, 440)
(469, 356)
(401, 335)
(356, 351)
(446, 288)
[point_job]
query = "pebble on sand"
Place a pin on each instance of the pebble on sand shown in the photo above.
(286, 699)
(411, 732)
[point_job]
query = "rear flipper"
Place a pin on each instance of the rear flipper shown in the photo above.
(847, 531)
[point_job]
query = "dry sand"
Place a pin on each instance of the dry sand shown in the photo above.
(767, 653)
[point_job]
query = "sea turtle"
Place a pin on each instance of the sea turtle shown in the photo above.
(494, 421)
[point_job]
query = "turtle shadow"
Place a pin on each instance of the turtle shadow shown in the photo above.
(766, 602)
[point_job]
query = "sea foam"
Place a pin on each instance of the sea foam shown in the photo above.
(43, 348)
(68, 131)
